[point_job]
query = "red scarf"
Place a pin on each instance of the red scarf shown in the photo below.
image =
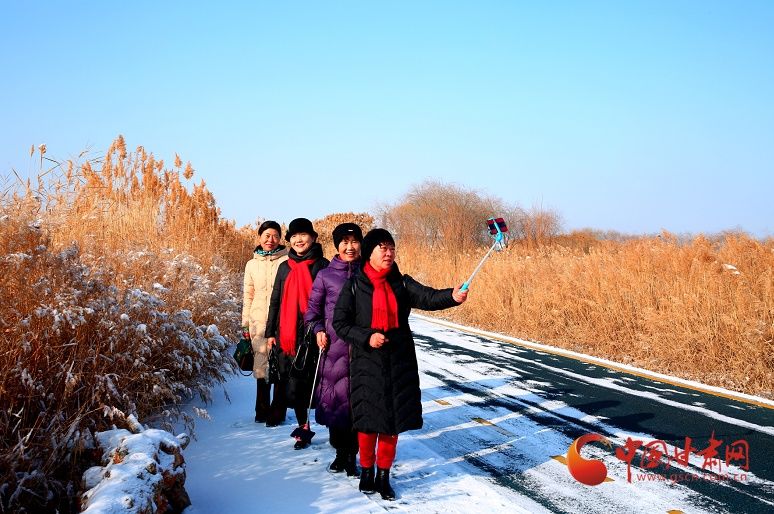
(384, 315)
(295, 299)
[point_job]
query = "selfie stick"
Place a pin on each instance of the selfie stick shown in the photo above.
(499, 237)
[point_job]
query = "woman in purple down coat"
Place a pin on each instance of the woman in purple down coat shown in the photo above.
(333, 409)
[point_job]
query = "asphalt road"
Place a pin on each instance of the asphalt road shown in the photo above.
(511, 412)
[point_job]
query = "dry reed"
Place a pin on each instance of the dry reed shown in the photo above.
(116, 280)
(117, 275)
(702, 309)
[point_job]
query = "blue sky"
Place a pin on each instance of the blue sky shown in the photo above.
(632, 116)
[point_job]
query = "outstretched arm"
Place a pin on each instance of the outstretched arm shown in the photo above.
(431, 299)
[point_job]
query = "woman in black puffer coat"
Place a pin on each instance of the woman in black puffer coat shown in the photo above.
(371, 314)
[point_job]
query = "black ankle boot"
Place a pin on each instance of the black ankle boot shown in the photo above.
(350, 465)
(339, 464)
(367, 480)
(382, 484)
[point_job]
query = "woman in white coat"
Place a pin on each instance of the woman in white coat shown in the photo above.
(260, 272)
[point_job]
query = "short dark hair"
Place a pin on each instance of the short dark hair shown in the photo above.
(266, 225)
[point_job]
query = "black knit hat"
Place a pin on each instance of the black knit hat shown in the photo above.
(298, 226)
(266, 225)
(374, 238)
(346, 229)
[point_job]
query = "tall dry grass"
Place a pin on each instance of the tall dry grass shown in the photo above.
(702, 309)
(696, 307)
(116, 281)
(126, 200)
(118, 276)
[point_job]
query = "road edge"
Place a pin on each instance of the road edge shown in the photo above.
(624, 368)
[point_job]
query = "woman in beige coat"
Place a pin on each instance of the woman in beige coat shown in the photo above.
(259, 281)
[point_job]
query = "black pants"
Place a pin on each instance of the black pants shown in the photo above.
(292, 392)
(299, 397)
(262, 399)
(279, 402)
(344, 440)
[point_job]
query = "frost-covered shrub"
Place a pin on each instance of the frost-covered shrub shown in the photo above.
(84, 346)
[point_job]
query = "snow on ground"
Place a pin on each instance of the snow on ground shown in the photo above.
(236, 465)
(531, 442)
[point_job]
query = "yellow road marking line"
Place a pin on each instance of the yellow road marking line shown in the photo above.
(442, 402)
(498, 428)
(483, 421)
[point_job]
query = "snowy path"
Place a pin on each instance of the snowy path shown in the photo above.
(496, 417)
(238, 466)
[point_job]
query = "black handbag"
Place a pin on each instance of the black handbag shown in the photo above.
(274, 373)
(306, 357)
(302, 371)
(243, 355)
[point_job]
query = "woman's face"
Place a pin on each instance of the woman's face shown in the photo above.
(301, 242)
(349, 249)
(269, 239)
(383, 256)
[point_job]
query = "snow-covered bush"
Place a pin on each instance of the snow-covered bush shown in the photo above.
(116, 286)
(79, 354)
